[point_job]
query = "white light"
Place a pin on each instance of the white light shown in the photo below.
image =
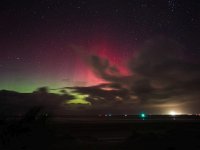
(173, 113)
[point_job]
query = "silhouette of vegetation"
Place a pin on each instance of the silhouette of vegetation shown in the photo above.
(32, 131)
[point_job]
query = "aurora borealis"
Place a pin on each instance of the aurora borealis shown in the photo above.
(116, 56)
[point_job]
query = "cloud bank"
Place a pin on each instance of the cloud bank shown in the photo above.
(161, 73)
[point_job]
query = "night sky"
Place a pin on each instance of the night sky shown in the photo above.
(115, 55)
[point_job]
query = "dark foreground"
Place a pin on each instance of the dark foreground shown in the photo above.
(100, 134)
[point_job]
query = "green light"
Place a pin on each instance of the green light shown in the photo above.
(79, 99)
(143, 115)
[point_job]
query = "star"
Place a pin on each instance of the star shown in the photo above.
(171, 4)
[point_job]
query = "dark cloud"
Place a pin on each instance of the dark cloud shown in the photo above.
(104, 93)
(13, 103)
(105, 70)
(161, 73)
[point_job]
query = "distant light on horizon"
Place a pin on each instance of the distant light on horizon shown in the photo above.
(174, 113)
(143, 115)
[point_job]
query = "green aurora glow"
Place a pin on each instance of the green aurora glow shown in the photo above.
(79, 99)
